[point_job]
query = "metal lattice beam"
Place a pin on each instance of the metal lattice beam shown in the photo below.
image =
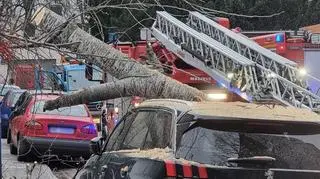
(246, 47)
(207, 54)
(276, 75)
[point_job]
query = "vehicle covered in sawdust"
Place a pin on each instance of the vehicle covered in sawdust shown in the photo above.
(178, 139)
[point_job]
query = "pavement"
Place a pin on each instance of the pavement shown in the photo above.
(12, 169)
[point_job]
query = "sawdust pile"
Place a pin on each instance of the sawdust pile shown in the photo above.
(156, 153)
(253, 111)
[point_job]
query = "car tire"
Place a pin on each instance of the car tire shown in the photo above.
(13, 149)
(8, 136)
(23, 151)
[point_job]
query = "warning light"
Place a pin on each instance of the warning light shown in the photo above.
(116, 109)
(136, 105)
(230, 75)
(302, 71)
(280, 38)
(271, 75)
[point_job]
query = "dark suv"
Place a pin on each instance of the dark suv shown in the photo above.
(180, 139)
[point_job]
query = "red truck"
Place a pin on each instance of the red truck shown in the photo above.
(292, 47)
(302, 48)
(24, 76)
(5, 51)
(177, 68)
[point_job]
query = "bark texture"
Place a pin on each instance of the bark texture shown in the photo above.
(134, 86)
(134, 78)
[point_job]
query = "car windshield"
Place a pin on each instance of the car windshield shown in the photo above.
(292, 150)
(13, 99)
(6, 89)
(143, 130)
(78, 110)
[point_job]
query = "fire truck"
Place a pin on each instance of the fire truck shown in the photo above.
(289, 44)
(302, 47)
(173, 65)
(177, 69)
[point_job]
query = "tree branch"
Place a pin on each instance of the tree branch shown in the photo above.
(154, 85)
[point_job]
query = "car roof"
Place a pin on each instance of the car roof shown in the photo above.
(46, 92)
(45, 96)
(17, 90)
(235, 110)
(9, 86)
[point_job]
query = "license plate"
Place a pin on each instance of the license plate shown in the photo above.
(61, 130)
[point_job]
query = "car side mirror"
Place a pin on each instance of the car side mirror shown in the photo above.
(96, 145)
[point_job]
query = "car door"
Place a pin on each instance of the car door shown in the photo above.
(4, 108)
(18, 115)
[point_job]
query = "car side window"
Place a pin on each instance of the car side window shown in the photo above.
(21, 104)
(119, 132)
(146, 130)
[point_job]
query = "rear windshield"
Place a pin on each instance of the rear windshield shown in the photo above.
(143, 130)
(215, 146)
(78, 110)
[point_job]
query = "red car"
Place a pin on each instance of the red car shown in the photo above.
(63, 132)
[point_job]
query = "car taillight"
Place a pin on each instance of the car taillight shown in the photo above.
(184, 170)
(89, 129)
(33, 125)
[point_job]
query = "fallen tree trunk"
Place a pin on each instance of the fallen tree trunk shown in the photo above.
(135, 78)
(134, 86)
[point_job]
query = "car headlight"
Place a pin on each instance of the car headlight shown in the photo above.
(217, 96)
(302, 71)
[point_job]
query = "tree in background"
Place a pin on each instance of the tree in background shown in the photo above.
(128, 19)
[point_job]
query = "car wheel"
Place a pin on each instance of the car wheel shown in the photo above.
(8, 136)
(13, 149)
(23, 150)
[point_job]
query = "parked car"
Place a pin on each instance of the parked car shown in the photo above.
(5, 88)
(6, 107)
(64, 132)
(180, 139)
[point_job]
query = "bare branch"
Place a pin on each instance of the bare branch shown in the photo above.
(152, 85)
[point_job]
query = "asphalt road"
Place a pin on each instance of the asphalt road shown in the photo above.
(11, 168)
